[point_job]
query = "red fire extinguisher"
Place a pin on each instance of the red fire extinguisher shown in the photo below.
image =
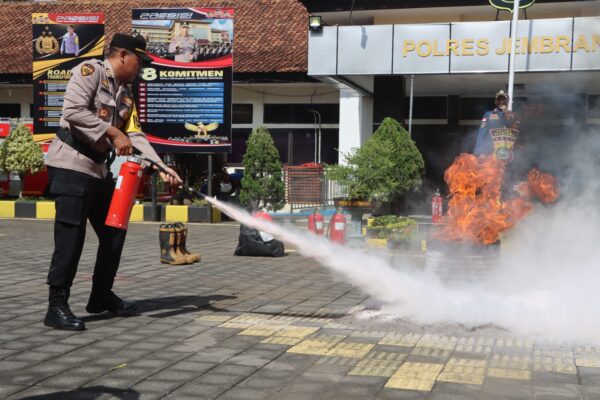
(436, 207)
(337, 227)
(126, 189)
(266, 237)
(316, 223)
(263, 215)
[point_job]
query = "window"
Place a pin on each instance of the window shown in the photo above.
(593, 108)
(301, 114)
(474, 107)
(295, 146)
(10, 110)
(242, 113)
(427, 107)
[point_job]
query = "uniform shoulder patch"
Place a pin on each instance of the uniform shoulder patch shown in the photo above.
(87, 69)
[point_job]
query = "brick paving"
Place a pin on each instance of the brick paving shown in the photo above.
(248, 328)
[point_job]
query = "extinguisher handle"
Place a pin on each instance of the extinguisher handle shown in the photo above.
(162, 169)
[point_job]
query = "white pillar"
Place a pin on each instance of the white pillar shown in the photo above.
(356, 120)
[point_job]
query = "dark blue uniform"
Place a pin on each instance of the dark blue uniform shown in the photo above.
(497, 134)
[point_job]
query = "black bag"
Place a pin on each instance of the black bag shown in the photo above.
(252, 244)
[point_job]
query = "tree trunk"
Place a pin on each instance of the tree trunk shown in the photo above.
(21, 180)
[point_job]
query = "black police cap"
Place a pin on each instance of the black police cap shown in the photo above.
(136, 44)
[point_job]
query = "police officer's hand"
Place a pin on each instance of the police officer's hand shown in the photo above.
(171, 178)
(120, 141)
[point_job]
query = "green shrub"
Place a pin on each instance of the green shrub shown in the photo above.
(392, 227)
(262, 184)
(388, 166)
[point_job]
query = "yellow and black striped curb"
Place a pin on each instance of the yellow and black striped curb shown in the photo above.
(140, 212)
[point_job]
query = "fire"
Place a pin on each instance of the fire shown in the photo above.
(543, 186)
(476, 211)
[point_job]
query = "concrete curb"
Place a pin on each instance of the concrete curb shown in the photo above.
(140, 212)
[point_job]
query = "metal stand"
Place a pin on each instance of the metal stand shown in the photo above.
(154, 195)
(209, 189)
(355, 238)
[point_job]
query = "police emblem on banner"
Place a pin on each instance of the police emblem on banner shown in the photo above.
(509, 5)
(504, 140)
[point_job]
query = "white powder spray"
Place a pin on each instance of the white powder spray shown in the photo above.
(547, 284)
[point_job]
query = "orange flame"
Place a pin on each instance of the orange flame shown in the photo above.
(476, 212)
(543, 186)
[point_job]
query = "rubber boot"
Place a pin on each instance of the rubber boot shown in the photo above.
(182, 231)
(168, 243)
(59, 315)
(178, 249)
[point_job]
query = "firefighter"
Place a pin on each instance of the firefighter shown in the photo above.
(98, 121)
(498, 131)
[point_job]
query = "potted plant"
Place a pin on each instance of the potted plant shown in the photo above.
(396, 231)
(386, 168)
(21, 155)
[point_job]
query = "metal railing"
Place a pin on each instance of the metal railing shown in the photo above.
(307, 187)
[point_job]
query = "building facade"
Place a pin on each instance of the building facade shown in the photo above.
(454, 56)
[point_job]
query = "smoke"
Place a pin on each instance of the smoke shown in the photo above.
(546, 283)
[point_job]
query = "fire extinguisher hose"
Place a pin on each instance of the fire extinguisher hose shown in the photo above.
(138, 153)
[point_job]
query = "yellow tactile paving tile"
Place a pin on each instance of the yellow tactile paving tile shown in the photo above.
(335, 325)
(261, 330)
(369, 334)
(344, 361)
(587, 362)
(317, 345)
(586, 350)
(557, 366)
(288, 341)
(437, 342)
(430, 352)
(462, 374)
(480, 341)
(466, 362)
(415, 376)
(557, 361)
(509, 373)
(566, 354)
(386, 356)
(379, 364)
(353, 350)
(473, 348)
(408, 340)
(410, 384)
(510, 362)
(480, 345)
(310, 350)
(234, 325)
(214, 318)
(514, 343)
(250, 318)
(297, 331)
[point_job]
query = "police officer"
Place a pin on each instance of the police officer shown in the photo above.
(498, 131)
(184, 45)
(70, 42)
(98, 119)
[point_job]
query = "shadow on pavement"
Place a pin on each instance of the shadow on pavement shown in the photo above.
(163, 307)
(87, 393)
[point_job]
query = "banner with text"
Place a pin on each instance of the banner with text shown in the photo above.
(183, 97)
(60, 42)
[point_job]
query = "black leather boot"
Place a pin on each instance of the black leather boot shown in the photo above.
(101, 301)
(59, 315)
